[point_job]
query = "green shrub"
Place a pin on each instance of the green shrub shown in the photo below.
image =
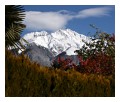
(25, 78)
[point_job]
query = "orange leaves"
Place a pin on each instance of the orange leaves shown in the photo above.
(24, 78)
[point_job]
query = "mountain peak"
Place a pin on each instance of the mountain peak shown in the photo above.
(67, 30)
(42, 33)
(65, 33)
(59, 41)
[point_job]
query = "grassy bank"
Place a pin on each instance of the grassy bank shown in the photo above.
(25, 78)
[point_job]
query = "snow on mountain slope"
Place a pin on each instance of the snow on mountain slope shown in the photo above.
(59, 41)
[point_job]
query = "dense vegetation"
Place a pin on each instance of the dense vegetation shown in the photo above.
(99, 55)
(94, 76)
(96, 57)
(25, 78)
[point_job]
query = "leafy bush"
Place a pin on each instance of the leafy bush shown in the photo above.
(98, 56)
(63, 63)
(26, 78)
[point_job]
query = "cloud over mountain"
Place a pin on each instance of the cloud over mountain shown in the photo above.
(52, 21)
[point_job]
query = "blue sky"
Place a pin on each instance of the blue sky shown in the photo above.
(75, 17)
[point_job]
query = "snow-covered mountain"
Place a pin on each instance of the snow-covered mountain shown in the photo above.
(59, 41)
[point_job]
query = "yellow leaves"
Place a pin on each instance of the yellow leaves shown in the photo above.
(25, 78)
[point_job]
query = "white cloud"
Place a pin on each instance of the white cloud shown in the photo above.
(53, 21)
(46, 20)
(94, 12)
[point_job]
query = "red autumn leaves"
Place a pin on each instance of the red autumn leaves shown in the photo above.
(98, 59)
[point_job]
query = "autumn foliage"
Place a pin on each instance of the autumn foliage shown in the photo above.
(96, 57)
(24, 78)
(93, 76)
(63, 63)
